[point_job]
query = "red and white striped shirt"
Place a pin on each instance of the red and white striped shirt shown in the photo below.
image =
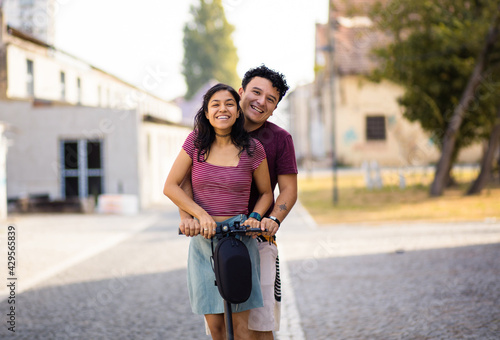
(223, 190)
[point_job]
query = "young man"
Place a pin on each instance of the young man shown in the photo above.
(262, 89)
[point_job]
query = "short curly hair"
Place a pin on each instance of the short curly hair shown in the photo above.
(277, 79)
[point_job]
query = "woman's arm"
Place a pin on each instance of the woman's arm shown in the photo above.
(263, 183)
(174, 191)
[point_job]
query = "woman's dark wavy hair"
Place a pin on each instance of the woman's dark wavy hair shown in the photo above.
(205, 133)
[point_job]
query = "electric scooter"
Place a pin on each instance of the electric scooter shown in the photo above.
(232, 268)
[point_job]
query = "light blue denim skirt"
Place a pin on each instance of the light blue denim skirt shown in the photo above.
(203, 293)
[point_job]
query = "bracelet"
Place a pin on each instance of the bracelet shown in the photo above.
(255, 215)
(275, 220)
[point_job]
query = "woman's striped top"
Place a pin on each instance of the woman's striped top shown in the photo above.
(223, 190)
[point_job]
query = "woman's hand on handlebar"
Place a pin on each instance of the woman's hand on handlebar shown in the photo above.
(207, 226)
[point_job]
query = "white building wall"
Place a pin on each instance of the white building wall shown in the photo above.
(159, 144)
(3, 173)
(34, 160)
(16, 86)
(97, 87)
(299, 106)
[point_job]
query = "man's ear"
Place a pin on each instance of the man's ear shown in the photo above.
(240, 91)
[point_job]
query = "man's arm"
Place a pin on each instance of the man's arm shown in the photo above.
(286, 199)
(188, 225)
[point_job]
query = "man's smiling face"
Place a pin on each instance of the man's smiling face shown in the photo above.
(258, 102)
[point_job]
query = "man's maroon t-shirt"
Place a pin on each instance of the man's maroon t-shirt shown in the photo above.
(280, 154)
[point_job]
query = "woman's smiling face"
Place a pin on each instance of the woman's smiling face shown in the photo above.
(222, 111)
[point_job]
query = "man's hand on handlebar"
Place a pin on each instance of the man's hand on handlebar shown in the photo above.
(254, 224)
(189, 227)
(270, 226)
(251, 223)
(192, 227)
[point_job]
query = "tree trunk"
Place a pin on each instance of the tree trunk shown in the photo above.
(486, 162)
(450, 136)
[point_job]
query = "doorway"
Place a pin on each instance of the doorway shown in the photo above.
(81, 168)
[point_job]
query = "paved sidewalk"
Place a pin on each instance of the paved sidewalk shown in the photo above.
(47, 244)
(372, 281)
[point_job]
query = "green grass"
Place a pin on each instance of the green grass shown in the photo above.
(357, 204)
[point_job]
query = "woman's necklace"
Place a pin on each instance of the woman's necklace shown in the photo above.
(219, 135)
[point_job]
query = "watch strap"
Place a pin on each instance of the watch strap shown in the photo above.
(275, 219)
(255, 215)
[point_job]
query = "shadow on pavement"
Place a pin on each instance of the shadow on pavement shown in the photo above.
(451, 293)
(152, 306)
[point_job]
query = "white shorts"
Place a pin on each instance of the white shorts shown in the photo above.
(267, 318)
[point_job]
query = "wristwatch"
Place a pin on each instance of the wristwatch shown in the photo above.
(275, 220)
(255, 215)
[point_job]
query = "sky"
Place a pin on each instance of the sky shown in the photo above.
(134, 39)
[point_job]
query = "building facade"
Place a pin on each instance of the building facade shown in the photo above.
(347, 115)
(76, 131)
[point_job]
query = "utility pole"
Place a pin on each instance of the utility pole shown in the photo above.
(332, 75)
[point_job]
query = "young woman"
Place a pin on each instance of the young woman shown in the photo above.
(223, 160)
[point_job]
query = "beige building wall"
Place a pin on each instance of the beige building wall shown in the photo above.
(406, 143)
(356, 98)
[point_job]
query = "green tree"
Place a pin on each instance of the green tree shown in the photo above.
(488, 157)
(434, 51)
(209, 51)
(468, 97)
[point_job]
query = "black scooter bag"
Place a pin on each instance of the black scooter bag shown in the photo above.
(233, 270)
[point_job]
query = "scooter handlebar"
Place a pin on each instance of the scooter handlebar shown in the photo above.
(232, 229)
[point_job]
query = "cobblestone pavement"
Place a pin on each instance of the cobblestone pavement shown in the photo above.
(133, 289)
(396, 281)
(123, 277)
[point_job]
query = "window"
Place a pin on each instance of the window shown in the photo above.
(375, 128)
(63, 86)
(82, 168)
(79, 91)
(30, 79)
